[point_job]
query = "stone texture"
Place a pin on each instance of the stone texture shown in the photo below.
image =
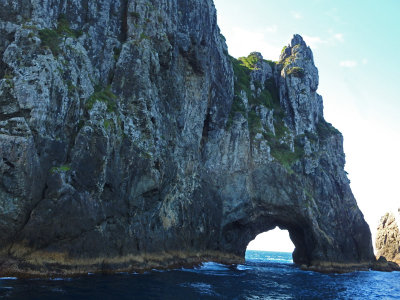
(299, 82)
(127, 142)
(387, 241)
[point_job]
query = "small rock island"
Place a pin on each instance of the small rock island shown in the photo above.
(387, 241)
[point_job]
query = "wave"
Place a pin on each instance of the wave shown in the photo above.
(243, 267)
(213, 266)
(201, 287)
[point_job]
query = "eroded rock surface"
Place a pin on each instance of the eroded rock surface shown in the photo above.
(387, 241)
(130, 139)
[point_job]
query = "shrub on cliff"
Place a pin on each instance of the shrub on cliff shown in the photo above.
(296, 71)
(51, 38)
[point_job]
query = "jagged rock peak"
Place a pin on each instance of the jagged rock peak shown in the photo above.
(258, 55)
(297, 40)
(262, 70)
(297, 45)
(387, 241)
(299, 82)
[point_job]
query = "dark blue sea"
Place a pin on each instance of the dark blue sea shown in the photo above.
(265, 275)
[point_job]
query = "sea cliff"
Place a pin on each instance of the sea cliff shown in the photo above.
(131, 140)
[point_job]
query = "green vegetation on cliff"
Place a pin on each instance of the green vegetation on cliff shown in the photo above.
(63, 28)
(242, 76)
(283, 50)
(60, 169)
(104, 95)
(249, 62)
(284, 155)
(51, 38)
(326, 130)
(266, 95)
(296, 71)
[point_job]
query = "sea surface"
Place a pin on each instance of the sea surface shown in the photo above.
(265, 275)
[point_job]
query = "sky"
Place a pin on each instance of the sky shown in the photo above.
(356, 48)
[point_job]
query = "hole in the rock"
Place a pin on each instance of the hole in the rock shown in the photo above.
(275, 242)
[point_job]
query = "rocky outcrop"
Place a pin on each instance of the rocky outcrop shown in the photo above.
(130, 139)
(387, 241)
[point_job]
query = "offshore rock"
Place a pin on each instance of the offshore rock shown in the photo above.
(387, 241)
(130, 140)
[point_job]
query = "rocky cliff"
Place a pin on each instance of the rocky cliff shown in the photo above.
(387, 241)
(130, 139)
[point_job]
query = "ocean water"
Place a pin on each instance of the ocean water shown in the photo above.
(265, 275)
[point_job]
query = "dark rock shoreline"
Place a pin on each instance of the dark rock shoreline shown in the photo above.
(131, 140)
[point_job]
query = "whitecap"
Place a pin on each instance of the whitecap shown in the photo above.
(242, 267)
(158, 270)
(213, 266)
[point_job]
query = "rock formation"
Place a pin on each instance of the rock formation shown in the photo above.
(387, 241)
(130, 139)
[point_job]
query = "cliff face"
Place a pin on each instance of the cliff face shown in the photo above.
(129, 139)
(387, 241)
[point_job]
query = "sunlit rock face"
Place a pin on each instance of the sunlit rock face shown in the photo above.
(292, 174)
(131, 140)
(387, 241)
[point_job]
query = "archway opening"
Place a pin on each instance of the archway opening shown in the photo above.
(274, 245)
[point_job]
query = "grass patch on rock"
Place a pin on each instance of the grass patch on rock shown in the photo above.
(296, 71)
(104, 95)
(60, 169)
(284, 155)
(51, 38)
(249, 61)
(268, 94)
(326, 130)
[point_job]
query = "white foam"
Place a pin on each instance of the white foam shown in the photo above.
(242, 267)
(278, 259)
(213, 266)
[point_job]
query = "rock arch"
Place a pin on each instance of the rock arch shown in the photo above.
(149, 146)
(328, 233)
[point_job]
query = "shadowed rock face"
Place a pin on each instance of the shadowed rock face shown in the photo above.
(129, 139)
(387, 241)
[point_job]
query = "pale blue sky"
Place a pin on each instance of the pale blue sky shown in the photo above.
(356, 47)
